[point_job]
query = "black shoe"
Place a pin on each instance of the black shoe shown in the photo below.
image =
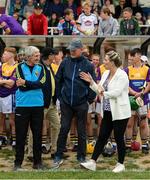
(4, 141)
(38, 166)
(145, 149)
(81, 159)
(17, 168)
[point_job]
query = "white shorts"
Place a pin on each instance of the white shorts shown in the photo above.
(7, 104)
(91, 108)
(142, 111)
(98, 108)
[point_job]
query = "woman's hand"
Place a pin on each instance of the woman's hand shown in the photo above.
(86, 77)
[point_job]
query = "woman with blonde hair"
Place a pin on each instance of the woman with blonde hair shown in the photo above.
(113, 89)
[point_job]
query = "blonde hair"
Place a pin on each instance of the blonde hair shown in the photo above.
(114, 57)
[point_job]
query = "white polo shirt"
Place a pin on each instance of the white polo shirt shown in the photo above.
(87, 22)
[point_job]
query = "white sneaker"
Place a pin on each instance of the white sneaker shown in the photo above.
(91, 165)
(13, 143)
(119, 168)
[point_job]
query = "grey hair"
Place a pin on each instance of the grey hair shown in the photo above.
(30, 50)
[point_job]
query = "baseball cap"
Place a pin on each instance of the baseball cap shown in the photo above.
(75, 44)
(38, 6)
(144, 58)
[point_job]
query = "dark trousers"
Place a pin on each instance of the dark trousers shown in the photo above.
(107, 125)
(67, 114)
(25, 116)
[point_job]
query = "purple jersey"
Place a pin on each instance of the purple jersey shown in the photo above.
(12, 24)
(8, 72)
(137, 79)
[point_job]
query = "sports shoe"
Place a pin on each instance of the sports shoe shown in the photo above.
(91, 165)
(0, 144)
(57, 162)
(119, 168)
(13, 144)
(44, 149)
(4, 140)
(75, 148)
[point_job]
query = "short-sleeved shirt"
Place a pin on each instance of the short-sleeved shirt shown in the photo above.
(8, 72)
(87, 22)
(137, 78)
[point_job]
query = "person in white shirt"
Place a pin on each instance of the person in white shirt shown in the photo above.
(116, 109)
(87, 22)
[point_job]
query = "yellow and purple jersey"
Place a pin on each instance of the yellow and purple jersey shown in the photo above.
(138, 77)
(8, 72)
(102, 69)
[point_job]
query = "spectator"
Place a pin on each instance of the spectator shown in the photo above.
(129, 25)
(119, 9)
(17, 17)
(10, 25)
(110, 6)
(73, 94)
(28, 8)
(31, 78)
(96, 7)
(145, 4)
(148, 23)
(107, 24)
(53, 22)
(140, 20)
(16, 6)
(25, 22)
(37, 22)
(45, 4)
(87, 22)
(67, 26)
(135, 7)
(54, 6)
(71, 5)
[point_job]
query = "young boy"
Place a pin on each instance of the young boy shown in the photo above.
(129, 25)
(67, 26)
(87, 22)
